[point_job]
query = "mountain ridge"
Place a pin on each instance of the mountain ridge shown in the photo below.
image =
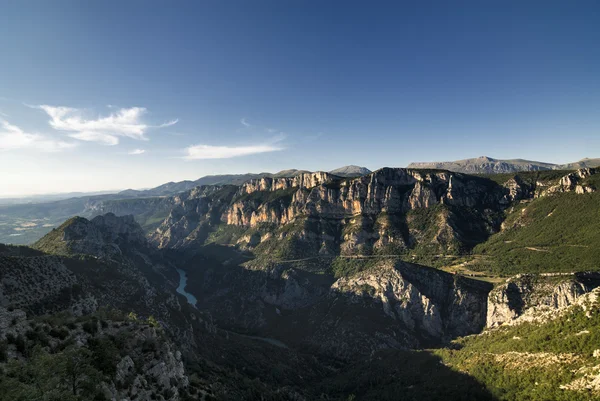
(488, 165)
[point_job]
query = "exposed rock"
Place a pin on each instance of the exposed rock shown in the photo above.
(530, 297)
(574, 182)
(424, 300)
(304, 180)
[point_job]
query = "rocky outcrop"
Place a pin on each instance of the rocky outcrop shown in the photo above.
(393, 191)
(160, 375)
(391, 305)
(193, 214)
(373, 212)
(304, 180)
(423, 300)
(528, 297)
(574, 182)
(143, 364)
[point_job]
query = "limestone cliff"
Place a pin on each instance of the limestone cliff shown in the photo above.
(574, 182)
(390, 305)
(192, 216)
(529, 297)
(424, 300)
(389, 210)
(303, 180)
(363, 214)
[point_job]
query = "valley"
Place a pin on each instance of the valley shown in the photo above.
(397, 280)
(279, 201)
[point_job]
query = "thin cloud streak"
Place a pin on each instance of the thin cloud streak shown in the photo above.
(245, 123)
(13, 137)
(203, 152)
(137, 152)
(168, 124)
(124, 122)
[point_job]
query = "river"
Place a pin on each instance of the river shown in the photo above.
(181, 289)
(192, 300)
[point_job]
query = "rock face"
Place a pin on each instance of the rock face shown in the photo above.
(193, 214)
(424, 300)
(152, 377)
(387, 209)
(391, 305)
(574, 182)
(362, 214)
(303, 180)
(530, 297)
(142, 365)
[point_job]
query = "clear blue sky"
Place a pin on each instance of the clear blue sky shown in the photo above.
(270, 85)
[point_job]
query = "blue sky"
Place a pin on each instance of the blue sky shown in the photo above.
(247, 86)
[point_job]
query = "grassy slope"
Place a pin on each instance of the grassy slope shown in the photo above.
(554, 233)
(531, 361)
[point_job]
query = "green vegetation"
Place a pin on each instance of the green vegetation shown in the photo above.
(62, 357)
(348, 267)
(532, 360)
(553, 233)
(52, 242)
(225, 234)
(53, 367)
(529, 177)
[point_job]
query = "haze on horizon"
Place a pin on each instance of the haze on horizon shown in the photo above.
(132, 95)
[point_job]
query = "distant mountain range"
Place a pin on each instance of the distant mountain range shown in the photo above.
(26, 220)
(488, 165)
(351, 171)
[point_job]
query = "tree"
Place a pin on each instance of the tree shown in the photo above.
(77, 371)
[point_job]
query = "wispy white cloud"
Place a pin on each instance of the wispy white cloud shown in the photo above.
(245, 123)
(168, 124)
(125, 122)
(199, 152)
(13, 137)
(136, 152)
